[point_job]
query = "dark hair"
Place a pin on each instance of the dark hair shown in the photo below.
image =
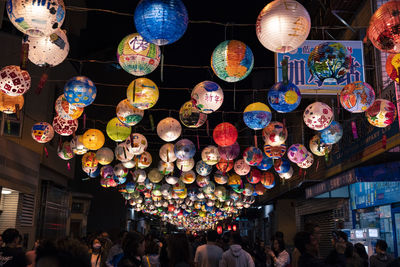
(349, 251)
(360, 250)
(131, 242)
(281, 245)
(152, 247)
(236, 238)
(9, 235)
(338, 234)
(212, 235)
(178, 250)
(310, 227)
(301, 239)
(381, 244)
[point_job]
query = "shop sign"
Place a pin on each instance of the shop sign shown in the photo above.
(370, 194)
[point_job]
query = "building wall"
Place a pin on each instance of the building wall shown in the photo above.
(8, 217)
(285, 218)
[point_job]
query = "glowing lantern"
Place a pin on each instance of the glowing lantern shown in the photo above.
(382, 113)
(117, 131)
(136, 56)
(257, 116)
(225, 134)
(48, 51)
(266, 163)
(89, 160)
(67, 111)
(142, 93)
(65, 151)
(203, 168)
(392, 67)
(287, 175)
(171, 179)
(357, 97)
(284, 97)
(307, 162)
(185, 165)
(42, 132)
(297, 153)
(207, 96)
(229, 152)
(64, 127)
(120, 170)
(169, 129)
(136, 143)
(275, 134)
(77, 146)
(234, 180)
(210, 155)
(267, 179)
(155, 176)
(271, 185)
(241, 167)
(179, 187)
(165, 168)
(318, 147)
(210, 188)
(282, 26)
(234, 227)
(122, 153)
(248, 190)
(188, 177)
(202, 181)
(318, 116)
(224, 165)
(10, 104)
(144, 160)
(219, 230)
(252, 156)
(190, 116)
(281, 165)
(80, 91)
(167, 153)
(93, 139)
(128, 114)
(220, 178)
(105, 155)
(332, 134)
(254, 176)
(260, 189)
(139, 176)
(14, 81)
(232, 61)
(184, 149)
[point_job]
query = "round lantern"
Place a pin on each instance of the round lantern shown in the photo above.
(307, 162)
(225, 134)
(232, 61)
(287, 175)
(329, 62)
(266, 163)
(10, 104)
(67, 111)
(161, 22)
(93, 139)
(105, 155)
(267, 179)
(139, 176)
(392, 67)
(241, 167)
(65, 151)
(130, 187)
(169, 129)
(225, 165)
(122, 153)
(128, 114)
(165, 168)
(252, 156)
(136, 143)
(357, 97)
(210, 155)
(220, 177)
(257, 116)
(77, 145)
(297, 153)
(281, 165)
(248, 190)
(254, 176)
(120, 170)
(155, 176)
(318, 116)
(283, 26)
(142, 93)
(229, 152)
(95, 173)
(332, 134)
(64, 127)
(89, 160)
(167, 153)
(382, 113)
(42, 132)
(184, 149)
(209, 188)
(190, 116)
(207, 97)
(171, 180)
(260, 189)
(284, 97)
(48, 51)
(179, 187)
(14, 81)
(203, 168)
(117, 131)
(318, 147)
(144, 160)
(202, 181)
(80, 91)
(188, 177)
(136, 56)
(234, 180)
(185, 165)
(275, 134)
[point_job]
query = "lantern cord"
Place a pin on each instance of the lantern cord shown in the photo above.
(162, 65)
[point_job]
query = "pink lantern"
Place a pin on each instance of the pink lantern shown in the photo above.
(64, 127)
(225, 134)
(252, 156)
(229, 152)
(14, 81)
(307, 162)
(297, 153)
(241, 167)
(318, 116)
(382, 113)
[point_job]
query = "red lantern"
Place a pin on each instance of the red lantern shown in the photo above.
(219, 229)
(260, 189)
(267, 178)
(225, 134)
(171, 208)
(229, 228)
(234, 227)
(254, 176)
(225, 165)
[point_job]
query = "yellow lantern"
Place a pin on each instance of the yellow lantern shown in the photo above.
(10, 104)
(117, 131)
(89, 160)
(142, 93)
(93, 139)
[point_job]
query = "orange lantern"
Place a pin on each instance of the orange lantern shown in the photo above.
(219, 229)
(93, 139)
(234, 227)
(225, 165)
(267, 179)
(10, 104)
(225, 134)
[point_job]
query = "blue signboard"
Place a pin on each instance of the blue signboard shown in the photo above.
(370, 194)
(300, 75)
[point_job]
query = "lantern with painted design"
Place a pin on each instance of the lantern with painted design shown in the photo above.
(284, 97)
(266, 163)
(281, 165)
(184, 149)
(210, 155)
(120, 170)
(318, 147)
(128, 114)
(332, 134)
(144, 160)
(224, 165)
(203, 168)
(382, 113)
(117, 131)
(64, 151)
(229, 152)
(155, 176)
(64, 127)
(142, 93)
(93, 139)
(225, 134)
(257, 116)
(67, 111)
(14, 81)
(267, 179)
(167, 153)
(165, 168)
(89, 160)
(185, 165)
(42, 132)
(307, 162)
(190, 116)
(297, 153)
(77, 145)
(252, 156)
(207, 96)
(188, 177)
(357, 97)
(318, 116)
(169, 129)
(241, 167)
(136, 143)
(80, 91)
(275, 134)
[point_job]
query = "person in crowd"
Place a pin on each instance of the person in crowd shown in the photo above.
(362, 253)
(235, 256)
(98, 252)
(164, 252)
(178, 249)
(11, 255)
(313, 229)
(380, 258)
(116, 253)
(337, 256)
(260, 257)
(278, 256)
(210, 254)
(226, 237)
(307, 245)
(352, 258)
(133, 246)
(152, 253)
(31, 254)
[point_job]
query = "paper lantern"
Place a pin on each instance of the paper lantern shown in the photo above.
(179, 187)
(169, 129)
(122, 153)
(229, 152)
(332, 134)
(139, 176)
(210, 188)
(207, 96)
(67, 111)
(257, 116)
(190, 116)
(282, 26)
(232, 61)
(89, 160)
(188, 177)
(11, 104)
(129, 164)
(318, 116)
(203, 168)
(284, 97)
(248, 189)
(64, 127)
(224, 165)
(90, 169)
(252, 156)
(161, 22)
(220, 177)
(42, 132)
(202, 181)
(318, 147)
(266, 163)
(254, 176)
(64, 151)
(117, 131)
(225, 134)
(77, 145)
(382, 113)
(165, 168)
(128, 114)
(357, 97)
(48, 51)
(210, 155)
(297, 153)
(130, 187)
(267, 179)
(171, 179)
(185, 165)
(80, 91)
(14, 81)
(93, 139)
(281, 165)
(105, 155)
(142, 93)
(184, 149)
(392, 67)
(136, 143)
(167, 153)
(136, 56)
(307, 162)
(120, 170)
(144, 160)
(382, 30)
(329, 62)
(241, 167)
(275, 134)
(260, 189)
(36, 18)
(287, 175)
(155, 176)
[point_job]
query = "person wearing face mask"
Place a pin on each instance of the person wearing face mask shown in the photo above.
(97, 253)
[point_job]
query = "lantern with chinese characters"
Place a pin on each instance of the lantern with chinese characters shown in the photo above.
(14, 81)
(142, 93)
(165, 168)
(10, 104)
(224, 165)
(297, 153)
(207, 96)
(252, 156)
(128, 114)
(136, 56)
(77, 145)
(144, 160)
(105, 155)
(332, 134)
(190, 116)
(203, 168)
(318, 147)
(275, 134)
(241, 167)
(284, 97)
(80, 91)
(93, 139)
(48, 51)
(89, 160)
(167, 153)
(64, 127)
(254, 176)
(185, 165)
(281, 165)
(210, 155)
(318, 116)
(393, 67)
(266, 163)
(169, 129)
(64, 151)
(382, 113)
(232, 61)
(117, 131)
(188, 177)
(225, 134)
(307, 162)
(161, 22)
(282, 26)
(287, 175)
(257, 116)
(120, 170)
(260, 189)
(220, 177)
(329, 62)
(136, 143)
(229, 152)
(357, 97)
(267, 179)
(122, 153)
(202, 181)
(184, 149)
(67, 111)
(155, 176)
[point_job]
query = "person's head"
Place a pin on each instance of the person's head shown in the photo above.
(95, 244)
(212, 236)
(305, 242)
(178, 249)
(152, 247)
(10, 237)
(313, 229)
(381, 246)
(236, 239)
(278, 245)
(360, 250)
(339, 237)
(133, 244)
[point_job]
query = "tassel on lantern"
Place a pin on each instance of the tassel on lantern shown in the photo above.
(326, 155)
(8, 127)
(151, 122)
(167, 155)
(24, 54)
(354, 129)
(255, 140)
(17, 111)
(316, 168)
(68, 166)
(300, 172)
(207, 128)
(84, 120)
(41, 83)
(46, 152)
(338, 104)
(198, 142)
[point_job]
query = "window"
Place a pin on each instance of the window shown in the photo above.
(10, 125)
(77, 207)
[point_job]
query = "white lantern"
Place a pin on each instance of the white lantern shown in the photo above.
(307, 162)
(144, 160)
(185, 165)
(136, 143)
(207, 96)
(165, 168)
(167, 153)
(287, 175)
(171, 180)
(77, 146)
(14, 81)
(122, 153)
(283, 25)
(169, 129)
(210, 155)
(139, 176)
(318, 116)
(105, 155)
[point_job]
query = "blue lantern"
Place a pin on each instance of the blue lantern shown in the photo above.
(270, 186)
(203, 168)
(332, 134)
(161, 22)
(95, 173)
(282, 165)
(80, 91)
(284, 97)
(184, 149)
(266, 163)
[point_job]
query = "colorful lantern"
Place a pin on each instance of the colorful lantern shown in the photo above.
(64, 127)
(318, 147)
(142, 93)
(207, 96)
(67, 111)
(318, 116)
(155, 176)
(95, 173)
(179, 187)
(89, 160)
(392, 67)
(122, 153)
(284, 97)
(210, 155)
(275, 29)
(275, 134)
(232, 61)
(190, 116)
(169, 129)
(281, 165)
(144, 160)
(332, 134)
(252, 156)
(234, 180)
(90, 169)
(77, 145)
(129, 164)
(184, 149)
(165, 168)
(357, 97)
(210, 188)
(225, 134)
(203, 168)
(257, 116)
(80, 91)
(185, 165)
(120, 170)
(136, 56)
(241, 167)
(188, 177)
(266, 163)
(267, 179)
(248, 189)
(167, 153)
(202, 181)
(220, 177)
(93, 139)
(224, 165)
(171, 179)
(307, 162)
(297, 153)
(10, 104)
(382, 113)
(139, 176)
(14, 81)
(136, 143)
(254, 176)
(229, 152)
(65, 151)
(105, 155)
(260, 189)
(287, 175)
(117, 131)
(128, 114)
